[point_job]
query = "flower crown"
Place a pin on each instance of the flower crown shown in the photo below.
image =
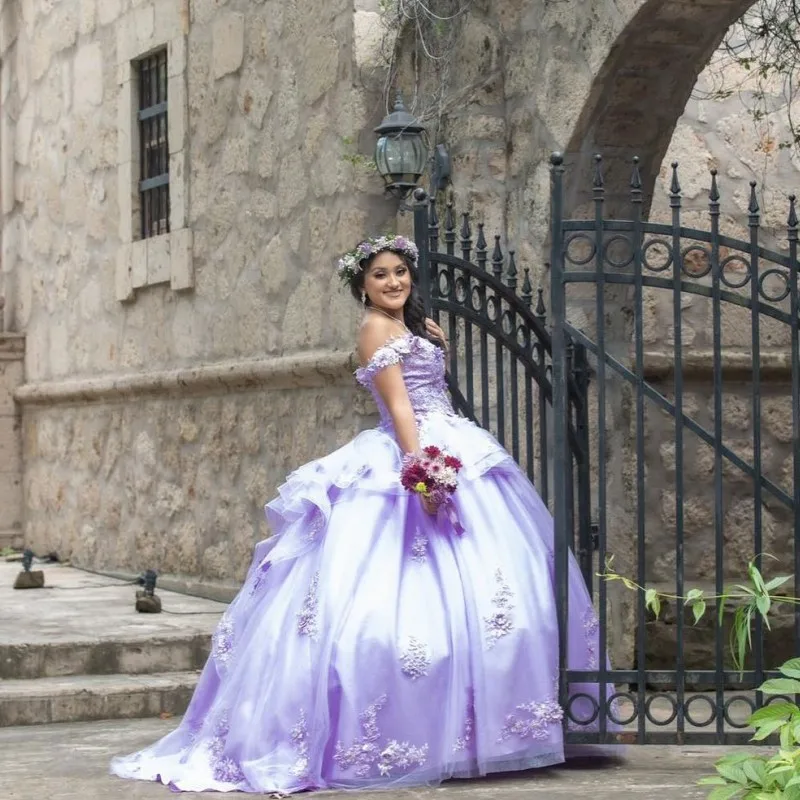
(350, 264)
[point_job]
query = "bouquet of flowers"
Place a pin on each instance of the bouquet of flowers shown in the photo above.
(434, 475)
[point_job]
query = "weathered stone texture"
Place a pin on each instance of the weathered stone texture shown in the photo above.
(177, 485)
(12, 351)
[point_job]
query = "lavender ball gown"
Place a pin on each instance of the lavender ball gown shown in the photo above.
(370, 646)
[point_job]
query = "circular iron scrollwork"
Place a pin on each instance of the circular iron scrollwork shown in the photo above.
(507, 322)
(445, 285)
(778, 296)
(524, 337)
(462, 290)
(739, 698)
(656, 267)
(595, 709)
(493, 308)
(477, 300)
(699, 698)
(659, 696)
(688, 251)
(613, 705)
(579, 237)
(734, 259)
(628, 246)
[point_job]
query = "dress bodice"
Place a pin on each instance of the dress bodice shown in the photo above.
(423, 372)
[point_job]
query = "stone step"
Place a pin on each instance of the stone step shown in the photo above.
(131, 656)
(94, 697)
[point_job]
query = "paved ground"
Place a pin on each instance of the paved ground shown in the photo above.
(69, 762)
(79, 606)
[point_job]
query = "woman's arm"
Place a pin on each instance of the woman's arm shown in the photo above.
(389, 383)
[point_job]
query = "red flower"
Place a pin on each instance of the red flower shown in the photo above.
(453, 463)
(432, 451)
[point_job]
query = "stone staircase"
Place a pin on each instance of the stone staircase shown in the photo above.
(78, 651)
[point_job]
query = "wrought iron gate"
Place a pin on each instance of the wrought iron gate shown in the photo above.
(694, 450)
(499, 362)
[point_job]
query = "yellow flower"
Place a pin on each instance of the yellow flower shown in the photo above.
(421, 488)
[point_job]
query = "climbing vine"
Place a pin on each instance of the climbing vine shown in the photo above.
(420, 41)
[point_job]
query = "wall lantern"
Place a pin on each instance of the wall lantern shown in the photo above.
(400, 153)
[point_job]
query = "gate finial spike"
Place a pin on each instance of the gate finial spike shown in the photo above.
(511, 272)
(713, 194)
(527, 289)
(792, 221)
(541, 311)
(466, 230)
(675, 186)
(449, 218)
(481, 243)
(636, 178)
(597, 179)
(556, 159)
(752, 206)
(497, 257)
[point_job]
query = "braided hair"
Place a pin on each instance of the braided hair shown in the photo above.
(414, 309)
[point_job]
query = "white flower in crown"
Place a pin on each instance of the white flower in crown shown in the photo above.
(350, 264)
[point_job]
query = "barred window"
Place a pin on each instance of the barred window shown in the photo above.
(154, 145)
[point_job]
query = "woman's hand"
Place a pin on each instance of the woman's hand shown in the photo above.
(435, 331)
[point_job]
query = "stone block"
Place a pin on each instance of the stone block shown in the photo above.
(127, 124)
(176, 56)
(177, 120)
(88, 77)
(158, 259)
(123, 283)
(139, 264)
(125, 200)
(182, 261)
(227, 44)
(178, 194)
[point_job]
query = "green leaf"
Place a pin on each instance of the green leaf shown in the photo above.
(733, 773)
(698, 609)
(791, 669)
(774, 711)
(776, 583)
(766, 729)
(787, 740)
(652, 601)
(694, 594)
(725, 793)
(712, 780)
(763, 604)
(780, 686)
(756, 771)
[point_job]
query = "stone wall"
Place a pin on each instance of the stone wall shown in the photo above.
(12, 352)
(270, 101)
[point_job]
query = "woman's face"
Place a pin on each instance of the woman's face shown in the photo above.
(387, 281)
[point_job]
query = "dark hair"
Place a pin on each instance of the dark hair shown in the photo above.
(414, 309)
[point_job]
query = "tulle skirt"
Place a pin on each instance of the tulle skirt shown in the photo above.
(371, 646)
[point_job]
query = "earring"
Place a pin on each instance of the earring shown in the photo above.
(363, 298)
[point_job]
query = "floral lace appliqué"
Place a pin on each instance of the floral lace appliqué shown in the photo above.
(366, 753)
(591, 625)
(224, 768)
(222, 642)
(419, 547)
(465, 740)
(387, 355)
(501, 622)
(533, 721)
(415, 658)
(307, 616)
(299, 734)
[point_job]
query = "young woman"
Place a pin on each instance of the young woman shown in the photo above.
(380, 640)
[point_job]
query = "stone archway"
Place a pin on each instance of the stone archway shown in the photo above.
(641, 90)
